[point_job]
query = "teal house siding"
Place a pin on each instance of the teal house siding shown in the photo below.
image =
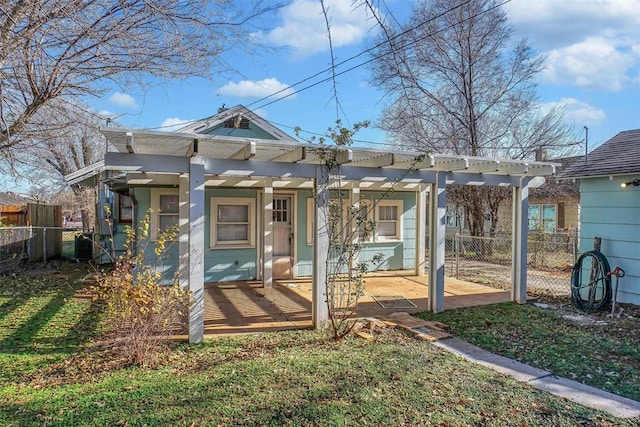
(252, 132)
(224, 264)
(228, 264)
(396, 255)
(612, 213)
(304, 250)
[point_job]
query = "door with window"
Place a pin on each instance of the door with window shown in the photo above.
(282, 235)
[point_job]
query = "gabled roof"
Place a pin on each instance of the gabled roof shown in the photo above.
(618, 156)
(237, 115)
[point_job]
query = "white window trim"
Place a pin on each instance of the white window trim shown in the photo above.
(398, 236)
(541, 215)
(240, 201)
(370, 218)
(155, 208)
(372, 215)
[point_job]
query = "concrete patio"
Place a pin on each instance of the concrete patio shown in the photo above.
(246, 307)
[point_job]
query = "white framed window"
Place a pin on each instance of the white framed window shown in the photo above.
(232, 222)
(164, 206)
(387, 216)
(125, 209)
(455, 216)
(388, 220)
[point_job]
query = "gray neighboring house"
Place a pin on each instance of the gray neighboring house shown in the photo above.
(610, 206)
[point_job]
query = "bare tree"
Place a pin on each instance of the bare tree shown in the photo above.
(70, 140)
(52, 49)
(457, 85)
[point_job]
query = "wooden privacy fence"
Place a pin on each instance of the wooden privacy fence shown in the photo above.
(46, 242)
(38, 239)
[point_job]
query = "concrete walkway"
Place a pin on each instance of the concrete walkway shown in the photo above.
(574, 391)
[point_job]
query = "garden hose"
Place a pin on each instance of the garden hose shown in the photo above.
(594, 293)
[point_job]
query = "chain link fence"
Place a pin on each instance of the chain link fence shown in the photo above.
(487, 260)
(22, 244)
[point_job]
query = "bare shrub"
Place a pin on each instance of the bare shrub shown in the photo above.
(142, 312)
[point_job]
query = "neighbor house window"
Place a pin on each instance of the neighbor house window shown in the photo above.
(232, 222)
(455, 216)
(543, 217)
(164, 206)
(125, 209)
(388, 220)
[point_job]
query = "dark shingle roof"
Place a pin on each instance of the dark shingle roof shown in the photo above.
(618, 156)
(559, 187)
(14, 199)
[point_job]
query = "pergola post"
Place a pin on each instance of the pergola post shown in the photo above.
(267, 236)
(196, 248)
(519, 242)
(421, 230)
(319, 307)
(354, 212)
(183, 225)
(437, 228)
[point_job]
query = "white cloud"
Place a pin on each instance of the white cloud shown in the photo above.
(123, 100)
(173, 123)
(594, 63)
(256, 89)
(588, 43)
(304, 28)
(577, 112)
(552, 23)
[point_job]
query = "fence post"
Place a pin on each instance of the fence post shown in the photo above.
(44, 245)
(29, 242)
(456, 248)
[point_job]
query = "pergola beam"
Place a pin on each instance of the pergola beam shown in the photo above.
(131, 143)
(387, 159)
(246, 152)
(293, 156)
(514, 168)
(541, 170)
(484, 167)
(344, 156)
(449, 165)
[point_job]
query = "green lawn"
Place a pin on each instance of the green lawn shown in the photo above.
(52, 372)
(606, 356)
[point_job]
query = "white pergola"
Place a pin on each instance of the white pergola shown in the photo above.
(193, 161)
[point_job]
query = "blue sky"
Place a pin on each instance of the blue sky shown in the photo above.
(592, 69)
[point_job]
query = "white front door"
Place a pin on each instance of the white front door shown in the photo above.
(282, 236)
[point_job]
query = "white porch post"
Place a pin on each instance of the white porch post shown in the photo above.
(437, 212)
(421, 229)
(196, 248)
(519, 242)
(267, 239)
(183, 236)
(354, 208)
(319, 308)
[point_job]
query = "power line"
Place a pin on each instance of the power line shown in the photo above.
(354, 67)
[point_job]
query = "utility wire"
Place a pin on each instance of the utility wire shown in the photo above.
(354, 67)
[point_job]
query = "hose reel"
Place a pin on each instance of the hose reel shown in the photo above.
(591, 282)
